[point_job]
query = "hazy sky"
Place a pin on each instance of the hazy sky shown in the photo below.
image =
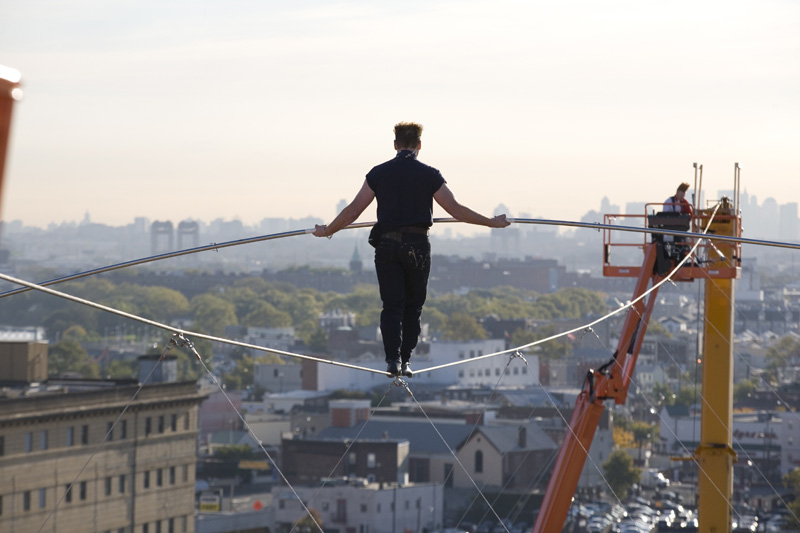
(209, 108)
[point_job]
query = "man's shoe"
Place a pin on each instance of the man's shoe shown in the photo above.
(393, 368)
(405, 369)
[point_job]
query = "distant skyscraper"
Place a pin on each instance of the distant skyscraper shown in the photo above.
(769, 218)
(188, 234)
(162, 237)
(787, 222)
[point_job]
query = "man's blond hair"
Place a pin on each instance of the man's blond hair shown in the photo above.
(407, 135)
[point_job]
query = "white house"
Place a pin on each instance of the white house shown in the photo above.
(356, 505)
(468, 368)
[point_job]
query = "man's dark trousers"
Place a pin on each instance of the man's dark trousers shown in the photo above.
(403, 264)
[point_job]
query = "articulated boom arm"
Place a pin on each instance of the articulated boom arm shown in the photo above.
(609, 382)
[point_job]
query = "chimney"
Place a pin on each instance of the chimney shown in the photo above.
(159, 370)
(523, 437)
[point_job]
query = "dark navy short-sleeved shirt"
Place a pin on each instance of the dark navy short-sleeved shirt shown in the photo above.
(404, 188)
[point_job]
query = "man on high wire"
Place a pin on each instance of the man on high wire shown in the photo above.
(405, 189)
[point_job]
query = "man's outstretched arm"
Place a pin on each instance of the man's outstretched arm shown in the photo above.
(444, 197)
(349, 214)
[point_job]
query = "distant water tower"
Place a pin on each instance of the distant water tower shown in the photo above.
(164, 371)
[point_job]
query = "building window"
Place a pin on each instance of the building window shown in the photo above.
(378, 508)
(123, 429)
(161, 426)
(185, 522)
(171, 525)
(146, 483)
(371, 460)
(173, 422)
(83, 490)
(159, 477)
(496, 371)
(145, 528)
(516, 370)
(352, 458)
(185, 473)
(43, 440)
(28, 441)
(68, 494)
(478, 462)
(2, 445)
(108, 486)
(70, 436)
(325, 506)
(84, 434)
(363, 507)
(122, 484)
(1, 506)
(186, 421)
(26, 501)
(110, 431)
(42, 498)
(148, 425)
(172, 475)
(158, 526)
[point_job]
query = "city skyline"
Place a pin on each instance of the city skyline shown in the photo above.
(216, 110)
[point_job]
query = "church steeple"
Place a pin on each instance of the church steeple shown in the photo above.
(355, 261)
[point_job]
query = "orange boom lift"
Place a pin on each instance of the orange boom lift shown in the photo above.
(718, 263)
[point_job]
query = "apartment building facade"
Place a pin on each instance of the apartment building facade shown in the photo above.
(95, 456)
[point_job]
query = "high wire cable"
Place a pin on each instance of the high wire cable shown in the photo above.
(179, 330)
(359, 225)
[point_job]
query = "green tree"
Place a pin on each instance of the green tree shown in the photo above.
(643, 434)
(212, 313)
(463, 327)
(311, 521)
(317, 340)
(620, 473)
(792, 481)
(122, 369)
(779, 355)
(686, 396)
(662, 394)
(436, 319)
(225, 461)
(553, 349)
(69, 356)
(743, 390)
(265, 315)
(241, 376)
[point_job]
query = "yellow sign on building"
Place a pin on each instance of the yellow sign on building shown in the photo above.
(254, 465)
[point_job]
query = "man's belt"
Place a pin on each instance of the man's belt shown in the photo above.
(397, 235)
(413, 229)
